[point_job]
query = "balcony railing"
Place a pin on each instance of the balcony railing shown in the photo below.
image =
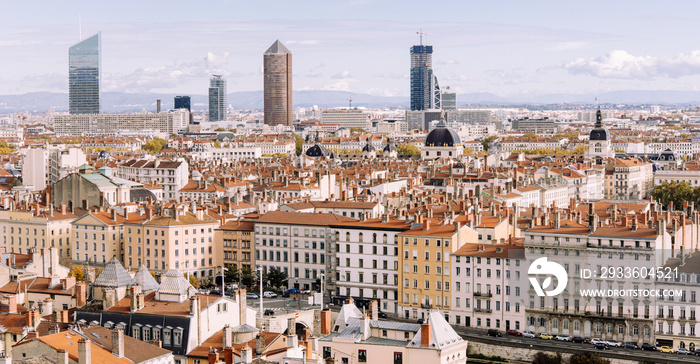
(426, 305)
(484, 310)
(482, 294)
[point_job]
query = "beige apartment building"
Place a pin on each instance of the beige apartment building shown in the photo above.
(23, 230)
(174, 240)
(232, 244)
(98, 236)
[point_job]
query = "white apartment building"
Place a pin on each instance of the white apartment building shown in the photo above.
(347, 118)
(298, 245)
(111, 124)
(490, 287)
(682, 147)
(691, 177)
(392, 127)
(367, 261)
(45, 166)
(628, 179)
(676, 317)
(171, 175)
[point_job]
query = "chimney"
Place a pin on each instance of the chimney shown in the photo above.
(635, 225)
(11, 303)
(374, 310)
(80, 294)
(242, 306)
(326, 321)
(213, 356)
(32, 318)
(110, 298)
(63, 209)
(149, 213)
(661, 227)
(62, 357)
(118, 343)
(227, 336)
(259, 344)
(47, 307)
(228, 355)
(425, 334)
(426, 224)
(557, 222)
(292, 326)
(623, 220)
(246, 355)
(194, 306)
(65, 317)
(84, 354)
(364, 327)
(592, 218)
(53, 329)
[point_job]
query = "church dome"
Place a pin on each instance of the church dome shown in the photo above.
(442, 136)
(600, 134)
(317, 151)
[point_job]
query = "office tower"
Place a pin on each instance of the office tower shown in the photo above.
(84, 76)
(448, 100)
(217, 98)
(277, 70)
(182, 102)
(421, 76)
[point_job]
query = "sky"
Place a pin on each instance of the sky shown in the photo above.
(507, 48)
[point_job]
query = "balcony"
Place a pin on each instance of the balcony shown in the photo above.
(426, 305)
(483, 294)
(482, 310)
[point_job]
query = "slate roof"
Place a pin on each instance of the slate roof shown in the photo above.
(113, 275)
(144, 279)
(442, 334)
(175, 283)
(277, 47)
(348, 311)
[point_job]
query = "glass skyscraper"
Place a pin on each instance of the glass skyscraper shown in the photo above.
(217, 98)
(84, 76)
(421, 77)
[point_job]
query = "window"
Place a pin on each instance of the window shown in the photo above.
(398, 358)
(362, 356)
(326, 352)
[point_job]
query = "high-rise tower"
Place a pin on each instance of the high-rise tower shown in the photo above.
(421, 76)
(217, 98)
(277, 70)
(84, 65)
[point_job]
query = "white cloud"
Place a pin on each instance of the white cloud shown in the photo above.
(391, 75)
(341, 85)
(342, 75)
(303, 42)
(144, 79)
(567, 46)
(215, 61)
(446, 62)
(622, 65)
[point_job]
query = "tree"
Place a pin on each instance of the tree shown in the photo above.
(581, 149)
(276, 278)
(299, 143)
(407, 149)
(486, 143)
(468, 151)
(543, 358)
(676, 192)
(155, 145)
(77, 272)
(217, 144)
(247, 277)
(233, 274)
(587, 359)
(220, 129)
(193, 281)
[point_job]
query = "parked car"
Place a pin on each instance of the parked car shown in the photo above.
(596, 340)
(578, 340)
(306, 291)
(546, 336)
(631, 345)
(514, 333)
(494, 333)
(614, 344)
(252, 296)
(269, 312)
(203, 291)
(649, 347)
(420, 321)
(682, 351)
(269, 294)
(666, 349)
(228, 294)
(601, 345)
(382, 315)
(562, 338)
(529, 334)
(215, 292)
(289, 292)
(697, 352)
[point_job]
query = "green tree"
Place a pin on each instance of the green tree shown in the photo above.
(233, 274)
(299, 143)
(676, 192)
(587, 359)
(247, 277)
(543, 358)
(407, 149)
(155, 145)
(486, 142)
(220, 129)
(276, 278)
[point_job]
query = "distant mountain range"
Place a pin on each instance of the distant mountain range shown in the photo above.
(130, 102)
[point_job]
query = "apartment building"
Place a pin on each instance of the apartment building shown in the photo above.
(425, 264)
(171, 175)
(233, 245)
(98, 236)
(26, 230)
(298, 244)
(367, 261)
(175, 239)
(490, 286)
(628, 179)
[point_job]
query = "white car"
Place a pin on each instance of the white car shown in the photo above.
(614, 344)
(562, 338)
(682, 351)
(529, 334)
(268, 294)
(595, 341)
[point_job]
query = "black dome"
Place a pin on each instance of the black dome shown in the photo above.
(600, 134)
(442, 136)
(368, 148)
(390, 147)
(317, 151)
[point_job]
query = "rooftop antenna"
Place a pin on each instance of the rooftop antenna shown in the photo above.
(80, 29)
(349, 101)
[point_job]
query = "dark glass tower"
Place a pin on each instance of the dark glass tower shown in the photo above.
(421, 77)
(84, 76)
(217, 98)
(182, 102)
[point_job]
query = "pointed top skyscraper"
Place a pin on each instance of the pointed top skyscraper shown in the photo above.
(277, 73)
(84, 63)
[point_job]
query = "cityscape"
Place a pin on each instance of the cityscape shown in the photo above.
(266, 183)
